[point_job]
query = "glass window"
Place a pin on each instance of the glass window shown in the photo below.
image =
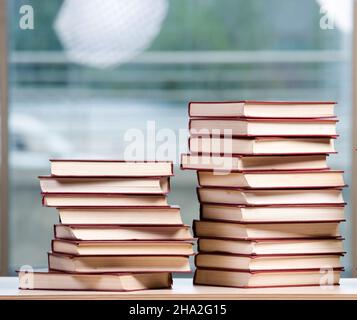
(193, 50)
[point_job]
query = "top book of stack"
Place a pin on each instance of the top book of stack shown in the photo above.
(110, 168)
(262, 109)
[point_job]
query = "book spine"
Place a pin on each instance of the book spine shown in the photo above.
(189, 109)
(198, 178)
(189, 144)
(55, 231)
(198, 244)
(198, 195)
(194, 228)
(169, 280)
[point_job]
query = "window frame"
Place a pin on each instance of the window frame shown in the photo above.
(3, 140)
(354, 143)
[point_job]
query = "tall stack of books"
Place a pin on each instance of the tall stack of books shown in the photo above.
(270, 207)
(116, 231)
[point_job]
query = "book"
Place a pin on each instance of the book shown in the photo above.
(262, 109)
(271, 247)
(101, 199)
(138, 247)
(263, 127)
(51, 280)
(253, 163)
(266, 279)
(122, 232)
(73, 167)
(283, 213)
(272, 179)
(261, 145)
(266, 263)
(269, 197)
(120, 215)
(110, 264)
(292, 230)
(88, 184)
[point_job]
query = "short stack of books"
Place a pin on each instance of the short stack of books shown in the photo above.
(116, 231)
(270, 207)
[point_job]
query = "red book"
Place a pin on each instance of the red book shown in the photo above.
(247, 163)
(241, 262)
(271, 247)
(244, 127)
(103, 200)
(269, 196)
(117, 264)
(121, 282)
(261, 109)
(272, 179)
(122, 232)
(266, 230)
(97, 184)
(120, 215)
(118, 168)
(271, 213)
(123, 247)
(266, 279)
(261, 145)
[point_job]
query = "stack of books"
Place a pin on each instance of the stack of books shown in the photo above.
(116, 231)
(270, 207)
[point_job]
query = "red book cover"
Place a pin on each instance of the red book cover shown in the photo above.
(275, 187)
(247, 102)
(260, 223)
(72, 257)
(169, 281)
(128, 226)
(260, 154)
(240, 156)
(313, 205)
(270, 271)
(329, 120)
(115, 160)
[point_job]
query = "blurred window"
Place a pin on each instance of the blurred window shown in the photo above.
(200, 50)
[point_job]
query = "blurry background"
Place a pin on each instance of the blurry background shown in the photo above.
(180, 50)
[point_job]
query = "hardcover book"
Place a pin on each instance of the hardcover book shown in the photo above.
(272, 179)
(123, 247)
(259, 230)
(264, 127)
(120, 215)
(52, 280)
(269, 196)
(110, 264)
(265, 279)
(89, 184)
(262, 109)
(271, 247)
(261, 145)
(122, 232)
(267, 263)
(86, 167)
(102, 199)
(266, 213)
(253, 163)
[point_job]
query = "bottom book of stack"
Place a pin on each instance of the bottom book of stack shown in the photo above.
(53, 280)
(265, 279)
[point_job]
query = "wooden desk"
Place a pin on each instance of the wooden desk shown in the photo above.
(183, 289)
